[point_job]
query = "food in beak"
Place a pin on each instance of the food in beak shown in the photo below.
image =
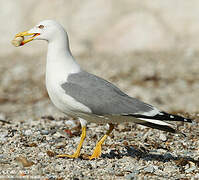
(17, 41)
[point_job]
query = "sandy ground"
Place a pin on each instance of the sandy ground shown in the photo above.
(36, 130)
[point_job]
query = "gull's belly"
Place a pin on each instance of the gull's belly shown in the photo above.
(64, 102)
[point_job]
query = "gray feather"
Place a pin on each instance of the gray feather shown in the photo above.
(101, 96)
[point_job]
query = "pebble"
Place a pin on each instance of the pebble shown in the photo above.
(59, 168)
(48, 138)
(162, 137)
(58, 135)
(3, 134)
(50, 153)
(60, 145)
(196, 176)
(132, 175)
(190, 169)
(149, 169)
(24, 161)
(161, 151)
(71, 123)
(41, 154)
(155, 168)
(142, 127)
(93, 164)
(28, 132)
(45, 144)
(121, 127)
(44, 132)
(169, 168)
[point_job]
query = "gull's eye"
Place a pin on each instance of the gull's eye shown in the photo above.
(41, 26)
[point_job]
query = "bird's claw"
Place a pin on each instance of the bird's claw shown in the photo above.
(96, 153)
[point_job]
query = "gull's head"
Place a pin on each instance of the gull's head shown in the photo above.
(45, 30)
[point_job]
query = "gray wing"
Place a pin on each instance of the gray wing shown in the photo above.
(101, 96)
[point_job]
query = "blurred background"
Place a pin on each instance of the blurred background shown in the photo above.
(147, 48)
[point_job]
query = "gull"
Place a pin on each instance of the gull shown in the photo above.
(86, 96)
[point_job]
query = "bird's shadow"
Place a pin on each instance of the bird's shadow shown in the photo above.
(147, 156)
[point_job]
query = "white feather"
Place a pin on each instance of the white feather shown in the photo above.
(158, 122)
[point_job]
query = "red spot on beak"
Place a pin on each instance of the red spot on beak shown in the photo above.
(22, 43)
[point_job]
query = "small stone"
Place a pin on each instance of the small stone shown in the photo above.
(71, 123)
(28, 132)
(24, 161)
(60, 178)
(132, 175)
(50, 153)
(2, 156)
(190, 169)
(121, 127)
(44, 132)
(41, 154)
(155, 168)
(161, 151)
(58, 168)
(169, 168)
(196, 176)
(32, 144)
(186, 166)
(149, 169)
(125, 143)
(58, 135)
(142, 127)
(162, 137)
(60, 145)
(4, 134)
(48, 138)
(85, 156)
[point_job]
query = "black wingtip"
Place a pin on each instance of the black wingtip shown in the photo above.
(171, 117)
(177, 118)
(187, 120)
(163, 116)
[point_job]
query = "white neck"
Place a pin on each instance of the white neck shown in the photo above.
(60, 62)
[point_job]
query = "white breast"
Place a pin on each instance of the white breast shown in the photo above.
(56, 75)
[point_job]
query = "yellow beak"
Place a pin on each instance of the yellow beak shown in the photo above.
(25, 33)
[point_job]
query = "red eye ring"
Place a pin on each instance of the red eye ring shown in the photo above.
(41, 26)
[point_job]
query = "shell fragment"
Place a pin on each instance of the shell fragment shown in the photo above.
(17, 41)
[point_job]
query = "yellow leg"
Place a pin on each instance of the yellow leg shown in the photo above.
(77, 152)
(98, 147)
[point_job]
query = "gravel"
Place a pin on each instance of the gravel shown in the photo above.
(28, 152)
(33, 132)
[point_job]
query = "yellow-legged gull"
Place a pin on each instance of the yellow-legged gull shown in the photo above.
(83, 95)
